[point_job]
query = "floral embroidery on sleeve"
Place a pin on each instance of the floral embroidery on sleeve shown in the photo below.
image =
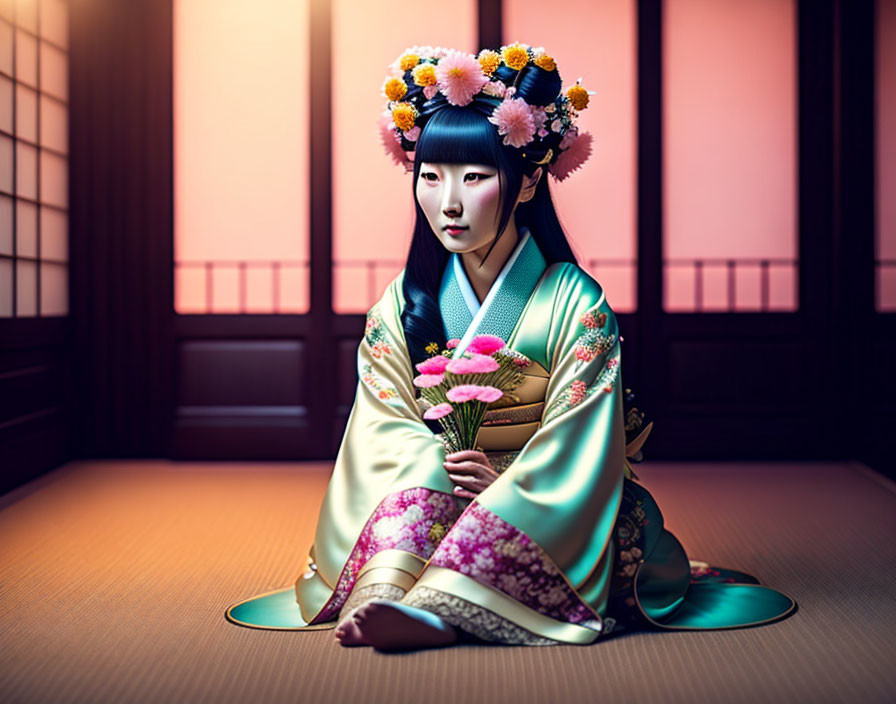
(375, 333)
(594, 341)
(578, 390)
(375, 382)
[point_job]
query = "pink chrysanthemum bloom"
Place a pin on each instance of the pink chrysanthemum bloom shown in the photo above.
(433, 365)
(412, 134)
(464, 392)
(460, 77)
(392, 142)
(439, 411)
(514, 120)
(452, 343)
(574, 156)
(490, 394)
(425, 381)
(477, 364)
(485, 344)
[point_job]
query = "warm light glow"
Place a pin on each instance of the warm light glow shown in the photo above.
(241, 155)
(34, 165)
(596, 204)
(729, 161)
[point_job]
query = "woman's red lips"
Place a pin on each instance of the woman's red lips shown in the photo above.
(454, 229)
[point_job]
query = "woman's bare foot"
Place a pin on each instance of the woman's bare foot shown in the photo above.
(348, 633)
(389, 625)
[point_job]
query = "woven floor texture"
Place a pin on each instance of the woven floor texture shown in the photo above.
(114, 578)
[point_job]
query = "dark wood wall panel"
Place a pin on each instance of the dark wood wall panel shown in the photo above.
(35, 398)
(726, 375)
(244, 387)
(242, 372)
(242, 399)
(121, 224)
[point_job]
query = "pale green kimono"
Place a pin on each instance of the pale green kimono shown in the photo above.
(563, 546)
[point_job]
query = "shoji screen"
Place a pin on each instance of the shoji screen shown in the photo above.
(596, 204)
(729, 155)
(241, 156)
(34, 158)
(373, 206)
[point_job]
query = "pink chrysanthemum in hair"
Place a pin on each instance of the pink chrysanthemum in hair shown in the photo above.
(514, 120)
(425, 381)
(459, 77)
(433, 365)
(439, 411)
(485, 344)
(477, 364)
(571, 159)
(490, 394)
(392, 142)
(464, 392)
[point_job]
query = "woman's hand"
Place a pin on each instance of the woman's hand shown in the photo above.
(470, 471)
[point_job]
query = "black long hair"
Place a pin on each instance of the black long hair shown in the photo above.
(463, 135)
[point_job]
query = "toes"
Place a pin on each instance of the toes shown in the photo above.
(351, 635)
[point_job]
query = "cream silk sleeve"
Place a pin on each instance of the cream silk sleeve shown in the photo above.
(389, 486)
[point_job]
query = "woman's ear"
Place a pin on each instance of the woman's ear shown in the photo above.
(530, 183)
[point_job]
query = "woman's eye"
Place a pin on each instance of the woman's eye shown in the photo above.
(426, 176)
(481, 177)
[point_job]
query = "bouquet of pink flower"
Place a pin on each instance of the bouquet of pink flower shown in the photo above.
(459, 391)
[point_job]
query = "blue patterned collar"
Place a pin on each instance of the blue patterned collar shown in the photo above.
(464, 317)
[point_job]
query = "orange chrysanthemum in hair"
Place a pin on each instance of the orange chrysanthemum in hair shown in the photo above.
(515, 56)
(578, 96)
(394, 88)
(546, 62)
(408, 61)
(425, 75)
(404, 115)
(489, 60)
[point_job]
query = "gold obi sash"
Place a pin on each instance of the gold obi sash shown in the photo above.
(509, 423)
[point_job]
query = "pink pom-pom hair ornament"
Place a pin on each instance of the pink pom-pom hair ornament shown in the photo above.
(572, 158)
(549, 131)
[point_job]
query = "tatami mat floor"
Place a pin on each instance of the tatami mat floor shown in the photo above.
(114, 578)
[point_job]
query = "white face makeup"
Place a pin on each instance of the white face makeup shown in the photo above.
(466, 195)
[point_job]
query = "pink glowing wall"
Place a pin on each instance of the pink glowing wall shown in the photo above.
(885, 119)
(241, 155)
(729, 159)
(241, 122)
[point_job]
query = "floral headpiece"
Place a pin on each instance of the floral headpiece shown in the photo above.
(546, 134)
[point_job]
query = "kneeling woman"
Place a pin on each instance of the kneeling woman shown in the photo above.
(541, 535)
